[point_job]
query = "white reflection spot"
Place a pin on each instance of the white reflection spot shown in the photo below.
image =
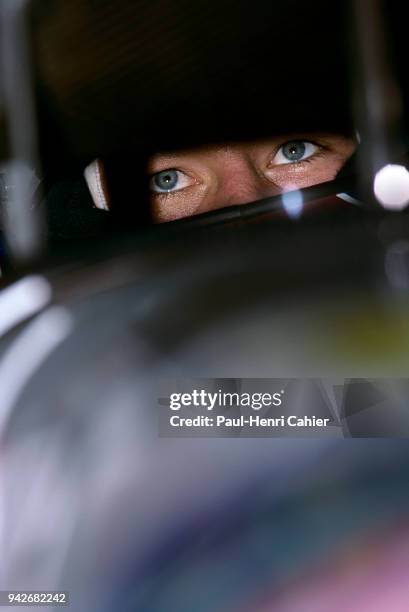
(293, 203)
(391, 186)
(23, 299)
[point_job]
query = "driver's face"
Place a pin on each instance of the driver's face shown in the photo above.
(186, 183)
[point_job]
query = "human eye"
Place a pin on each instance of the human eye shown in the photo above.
(170, 180)
(294, 151)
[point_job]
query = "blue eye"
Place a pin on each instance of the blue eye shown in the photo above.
(165, 181)
(294, 151)
(168, 181)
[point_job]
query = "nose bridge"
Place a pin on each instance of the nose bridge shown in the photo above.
(239, 181)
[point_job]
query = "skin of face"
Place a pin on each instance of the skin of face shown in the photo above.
(213, 177)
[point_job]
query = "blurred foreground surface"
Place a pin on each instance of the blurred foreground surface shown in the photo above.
(95, 502)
